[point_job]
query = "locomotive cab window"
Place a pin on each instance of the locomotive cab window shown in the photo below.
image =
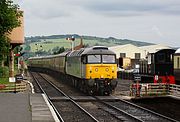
(94, 58)
(108, 59)
(84, 59)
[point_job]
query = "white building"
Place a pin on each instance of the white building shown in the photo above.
(134, 52)
(154, 48)
(128, 51)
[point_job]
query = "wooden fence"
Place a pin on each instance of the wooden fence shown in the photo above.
(149, 89)
(13, 87)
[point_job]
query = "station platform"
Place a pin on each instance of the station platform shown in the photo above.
(25, 107)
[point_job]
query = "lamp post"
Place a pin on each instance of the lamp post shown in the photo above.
(41, 50)
(72, 42)
(36, 50)
(72, 38)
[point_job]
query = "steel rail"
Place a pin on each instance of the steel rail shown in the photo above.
(150, 111)
(119, 110)
(56, 111)
(70, 99)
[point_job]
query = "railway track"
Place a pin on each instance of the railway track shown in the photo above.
(96, 110)
(138, 112)
(65, 110)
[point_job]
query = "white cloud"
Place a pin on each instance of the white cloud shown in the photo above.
(153, 20)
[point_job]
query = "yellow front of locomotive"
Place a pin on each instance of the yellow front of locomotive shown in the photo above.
(101, 71)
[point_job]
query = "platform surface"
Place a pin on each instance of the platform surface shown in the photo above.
(14, 107)
(40, 110)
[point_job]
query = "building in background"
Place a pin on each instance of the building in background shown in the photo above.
(16, 38)
(128, 55)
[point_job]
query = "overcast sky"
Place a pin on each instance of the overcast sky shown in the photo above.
(156, 21)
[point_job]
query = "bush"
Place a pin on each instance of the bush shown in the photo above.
(4, 72)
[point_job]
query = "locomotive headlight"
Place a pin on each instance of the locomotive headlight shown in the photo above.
(112, 68)
(107, 69)
(96, 69)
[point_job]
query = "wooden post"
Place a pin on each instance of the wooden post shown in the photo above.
(11, 62)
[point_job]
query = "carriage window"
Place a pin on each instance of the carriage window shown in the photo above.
(108, 58)
(94, 58)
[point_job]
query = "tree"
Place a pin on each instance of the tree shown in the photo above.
(9, 19)
(58, 50)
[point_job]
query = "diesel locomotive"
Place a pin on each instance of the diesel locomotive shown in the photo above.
(157, 68)
(92, 70)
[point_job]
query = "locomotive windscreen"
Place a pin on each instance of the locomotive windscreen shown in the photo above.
(94, 58)
(101, 59)
(108, 59)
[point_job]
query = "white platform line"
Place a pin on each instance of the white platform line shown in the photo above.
(51, 109)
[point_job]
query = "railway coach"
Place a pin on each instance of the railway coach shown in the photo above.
(177, 66)
(92, 70)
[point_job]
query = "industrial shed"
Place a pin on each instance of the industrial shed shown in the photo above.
(134, 52)
(128, 51)
(128, 55)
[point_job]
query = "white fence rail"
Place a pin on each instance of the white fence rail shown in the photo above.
(174, 90)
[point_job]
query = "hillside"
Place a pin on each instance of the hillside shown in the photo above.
(91, 40)
(44, 45)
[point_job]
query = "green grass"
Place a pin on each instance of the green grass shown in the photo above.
(4, 80)
(64, 43)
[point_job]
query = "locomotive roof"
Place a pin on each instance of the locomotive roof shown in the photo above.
(82, 51)
(91, 50)
(163, 50)
(178, 51)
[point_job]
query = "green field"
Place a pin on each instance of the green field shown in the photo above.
(49, 44)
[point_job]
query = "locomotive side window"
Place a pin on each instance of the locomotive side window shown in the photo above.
(108, 59)
(169, 57)
(94, 58)
(161, 57)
